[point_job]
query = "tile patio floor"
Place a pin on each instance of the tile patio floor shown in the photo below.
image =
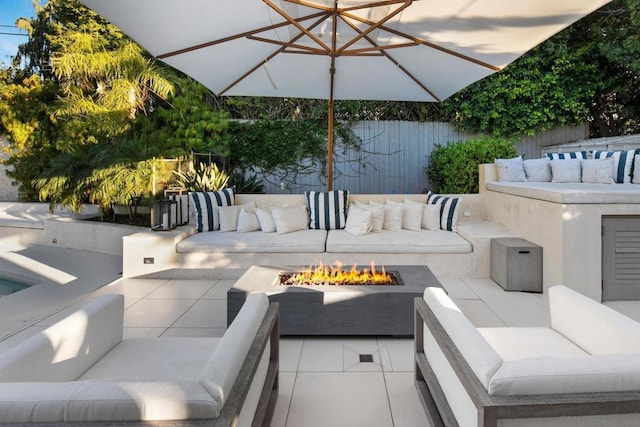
(322, 380)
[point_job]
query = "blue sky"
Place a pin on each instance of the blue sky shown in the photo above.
(10, 11)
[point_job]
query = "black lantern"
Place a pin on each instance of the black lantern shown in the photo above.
(163, 215)
(181, 196)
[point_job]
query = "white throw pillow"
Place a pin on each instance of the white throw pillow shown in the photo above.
(290, 218)
(267, 224)
(358, 220)
(510, 170)
(392, 216)
(431, 217)
(537, 170)
(248, 221)
(229, 215)
(411, 214)
(598, 171)
(622, 163)
(567, 170)
(377, 216)
(636, 169)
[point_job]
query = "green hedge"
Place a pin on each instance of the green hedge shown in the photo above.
(453, 167)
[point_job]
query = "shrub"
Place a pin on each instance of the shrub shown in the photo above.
(453, 167)
(204, 178)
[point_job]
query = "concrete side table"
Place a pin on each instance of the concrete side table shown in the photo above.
(516, 264)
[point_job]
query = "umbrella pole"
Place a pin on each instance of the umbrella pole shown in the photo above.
(330, 130)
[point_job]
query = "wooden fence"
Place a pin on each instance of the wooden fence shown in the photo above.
(394, 155)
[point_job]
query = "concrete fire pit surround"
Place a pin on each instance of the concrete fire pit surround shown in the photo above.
(336, 310)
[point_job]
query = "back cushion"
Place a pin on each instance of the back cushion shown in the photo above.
(65, 350)
(481, 357)
(223, 366)
(594, 327)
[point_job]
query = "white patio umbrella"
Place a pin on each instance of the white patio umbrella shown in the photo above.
(399, 50)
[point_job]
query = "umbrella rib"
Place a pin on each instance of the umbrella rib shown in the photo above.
(307, 49)
(423, 42)
(396, 63)
(374, 26)
(237, 36)
(274, 54)
(295, 23)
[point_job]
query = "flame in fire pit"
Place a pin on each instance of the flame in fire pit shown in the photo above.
(336, 275)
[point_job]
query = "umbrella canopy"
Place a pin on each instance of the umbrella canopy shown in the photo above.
(399, 50)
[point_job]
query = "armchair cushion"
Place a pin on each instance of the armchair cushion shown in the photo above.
(65, 350)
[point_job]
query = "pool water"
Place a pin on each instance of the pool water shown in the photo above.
(9, 286)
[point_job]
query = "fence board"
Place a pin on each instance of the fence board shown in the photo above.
(395, 154)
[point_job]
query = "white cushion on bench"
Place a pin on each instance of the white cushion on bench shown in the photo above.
(65, 350)
(160, 359)
(519, 343)
(549, 375)
(255, 241)
(481, 357)
(398, 242)
(596, 328)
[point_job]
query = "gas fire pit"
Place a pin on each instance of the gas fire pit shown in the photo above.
(313, 309)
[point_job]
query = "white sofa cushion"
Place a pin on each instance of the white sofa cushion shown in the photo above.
(306, 241)
(595, 327)
(104, 401)
(550, 375)
(222, 368)
(598, 171)
(398, 242)
(568, 170)
(290, 218)
(537, 170)
(511, 170)
(522, 343)
(483, 360)
(358, 220)
(65, 350)
(157, 359)
(411, 214)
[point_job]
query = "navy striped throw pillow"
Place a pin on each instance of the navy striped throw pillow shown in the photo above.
(448, 210)
(562, 156)
(206, 205)
(327, 210)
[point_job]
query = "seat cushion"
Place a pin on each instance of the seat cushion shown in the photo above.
(521, 343)
(398, 242)
(551, 375)
(81, 401)
(155, 359)
(298, 241)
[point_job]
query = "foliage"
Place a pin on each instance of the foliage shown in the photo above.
(188, 122)
(588, 72)
(277, 145)
(25, 118)
(91, 174)
(246, 185)
(203, 178)
(453, 168)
